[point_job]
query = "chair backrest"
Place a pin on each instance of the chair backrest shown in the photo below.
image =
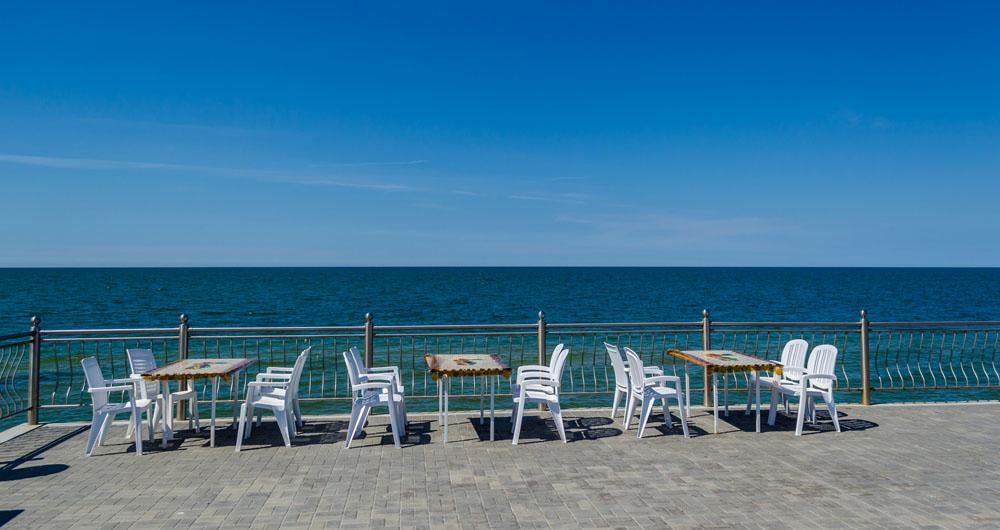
(359, 363)
(621, 376)
(558, 363)
(793, 355)
(95, 379)
(822, 360)
(139, 362)
(636, 373)
(293, 381)
(351, 363)
(555, 355)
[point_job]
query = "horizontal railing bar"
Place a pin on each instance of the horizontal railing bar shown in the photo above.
(15, 336)
(22, 411)
(786, 324)
(456, 326)
(234, 337)
(13, 344)
(467, 334)
(275, 329)
(107, 331)
(946, 323)
(696, 325)
(106, 339)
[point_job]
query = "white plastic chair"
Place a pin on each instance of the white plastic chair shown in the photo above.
(793, 363)
(819, 381)
(275, 393)
(278, 373)
(381, 373)
(539, 386)
(648, 389)
(105, 411)
(621, 376)
(370, 390)
(141, 361)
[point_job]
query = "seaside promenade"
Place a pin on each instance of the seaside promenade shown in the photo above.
(893, 466)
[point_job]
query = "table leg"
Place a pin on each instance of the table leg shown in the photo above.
(168, 414)
(725, 392)
(687, 385)
(493, 406)
(215, 397)
(715, 400)
(482, 397)
(233, 385)
(757, 390)
(440, 403)
(447, 383)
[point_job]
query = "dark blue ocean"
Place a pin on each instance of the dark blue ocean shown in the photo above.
(119, 297)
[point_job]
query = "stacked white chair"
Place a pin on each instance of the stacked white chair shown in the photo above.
(648, 389)
(273, 392)
(621, 369)
(818, 381)
(539, 384)
(105, 411)
(370, 390)
(141, 361)
(278, 373)
(381, 373)
(793, 363)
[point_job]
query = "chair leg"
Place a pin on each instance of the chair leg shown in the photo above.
(242, 428)
(282, 418)
(96, 424)
(298, 413)
(801, 414)
(129, 429)
(513, 416)
(684, 415)
(772, 414)
(832, 407)
(750, 385)
(647, 405)
(784, 400)
(151, 414)
(105, 427)
(517, 423)
(260, 417)
(137, 418)
(666, 415)
(614, 404)
(355, 415)
(629, 409)
(557, 417)
(394, 421)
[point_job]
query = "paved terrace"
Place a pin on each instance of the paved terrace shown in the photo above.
(892, 467)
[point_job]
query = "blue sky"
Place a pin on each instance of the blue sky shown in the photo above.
(469, 133)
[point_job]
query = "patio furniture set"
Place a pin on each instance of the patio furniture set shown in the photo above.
(276, 390)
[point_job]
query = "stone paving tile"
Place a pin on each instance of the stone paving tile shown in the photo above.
(892, 467)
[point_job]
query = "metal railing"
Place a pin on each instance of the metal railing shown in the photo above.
(40, 369)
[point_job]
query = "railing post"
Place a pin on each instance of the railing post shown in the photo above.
(706, 344)
(34, 368)
(182, 354)
(542, 332)
(541, 338)
(866, 378)
(182, 339)
(369, 339)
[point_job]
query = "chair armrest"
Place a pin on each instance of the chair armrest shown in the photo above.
(124, 380)
(270, 376)
(533, 368)
(381, 385)
(538, 382)
(275, 369)
(267, 384)
(533, 374)
(809, 377)
(126, 388)
(661, 378)
(393, 369)
(652, 370)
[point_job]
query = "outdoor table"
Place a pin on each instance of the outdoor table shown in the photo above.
(725, 361)
(444, 367)
(188, 369)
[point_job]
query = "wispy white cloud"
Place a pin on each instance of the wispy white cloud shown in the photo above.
(565, 198)
(288, 177)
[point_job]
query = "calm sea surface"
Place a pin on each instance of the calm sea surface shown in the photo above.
(72, 298)
(339, 296)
